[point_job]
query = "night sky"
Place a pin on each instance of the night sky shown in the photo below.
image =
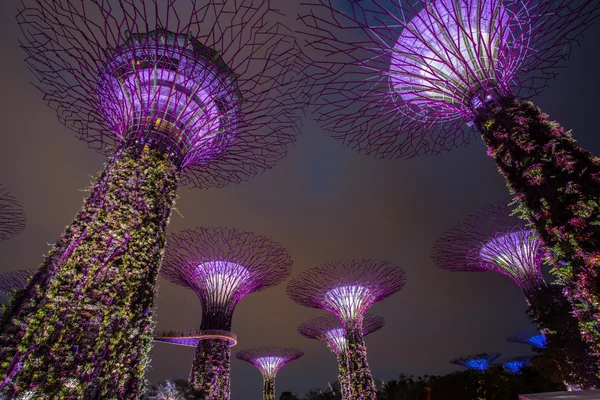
(322, 203)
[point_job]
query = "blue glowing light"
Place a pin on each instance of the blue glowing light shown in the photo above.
(516, 365)
(538, 341)
(480, 364)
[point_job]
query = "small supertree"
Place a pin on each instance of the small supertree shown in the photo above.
(193, 92)
(401, 79)
(493, 240)
(12, 216)
(329, 329)
(531, 337)
(348, 289)
(269, 360)
(479, 362)
(221, 266)
(516, 364)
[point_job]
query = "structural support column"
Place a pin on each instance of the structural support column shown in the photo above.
(268, 388)
(211, 369)
(82, 328)
(556, 185)
(361, 383)
(343, 376)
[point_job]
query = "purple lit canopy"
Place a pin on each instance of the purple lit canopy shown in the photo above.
(492, 240)
(346, 288)
(401, 79)
(269, 360)
(223, 265)
(328, 329)
(220, 96)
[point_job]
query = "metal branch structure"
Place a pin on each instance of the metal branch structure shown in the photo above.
(530, 337)
(330, 330)
(269, 360)
(13, 281)
(12, 216)
(516, 364)
(221, 266)
(402, 79)
(493, 240)
(348, 289)
(194, 92)
(479, 362)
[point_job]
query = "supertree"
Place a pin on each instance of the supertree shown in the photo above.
(11, 282)
(493, 240)
(479, 362)
(194, 92)
(12, 216)
(516, 364)
(531, 337)
(221, 266)
(328, 329)
(348, 289)
(401, 79)
(269, 360)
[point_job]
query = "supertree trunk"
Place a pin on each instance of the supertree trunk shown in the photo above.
(210, 370)
(268, 388)
(565, 358)
(343, 376)
(82, 328)
(361, 383)
(556, 185)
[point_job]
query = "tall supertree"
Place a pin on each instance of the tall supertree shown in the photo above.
(479, 362)
(269, 360)
(12, 216)
(531, 337)
(516, 364)
(221, 266)
(401, 79)
(329, 329)
(348, 289)
(193, 92)
(493, 240)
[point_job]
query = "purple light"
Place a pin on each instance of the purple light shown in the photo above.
(493, 240)
(517, 254)
(451, 50)
(269, 365)
(349, 301)
(329, 329)
(337, 339)
(222, 280)
(179, 341)
(172, 85)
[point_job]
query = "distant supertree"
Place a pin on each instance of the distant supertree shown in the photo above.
(12, 216)
(516, 364)
(531, 337)
(193, 92)
(478, 362)
(400, 78)
(492, 240)
(269, 360)
(221, 266)
(329, 329)
(348, 289)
